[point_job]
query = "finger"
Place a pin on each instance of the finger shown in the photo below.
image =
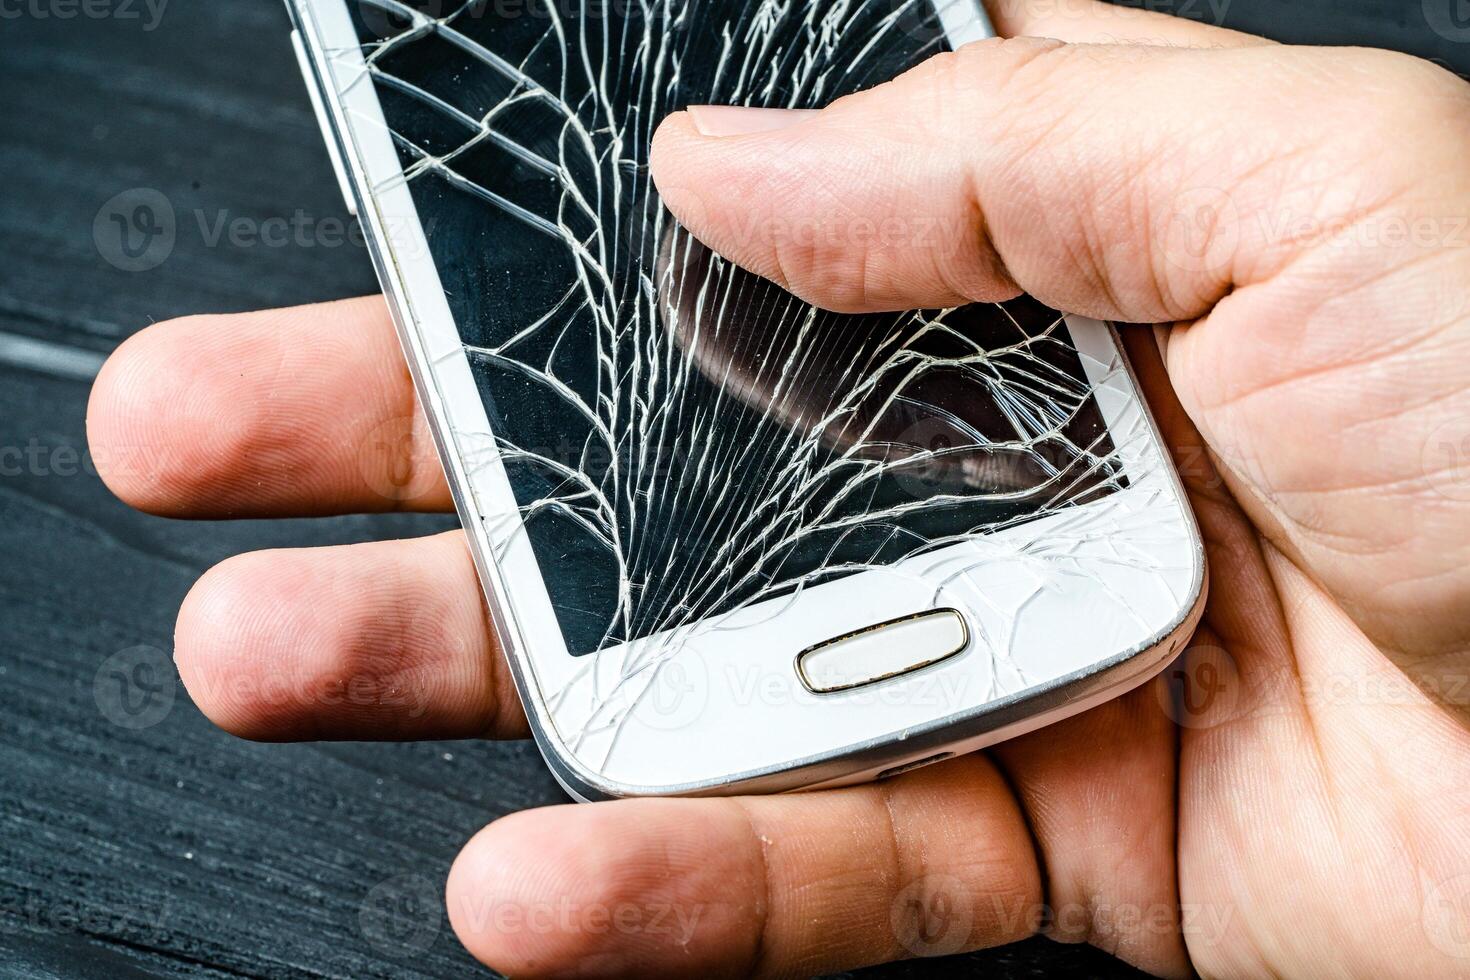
(387, 640)
(301, 411)
(1094, 22)
(796, 885)
(1094, 177)
(1099, 792)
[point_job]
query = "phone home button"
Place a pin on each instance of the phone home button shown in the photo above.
(882, 651)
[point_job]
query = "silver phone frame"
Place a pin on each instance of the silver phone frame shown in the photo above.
(949, 735)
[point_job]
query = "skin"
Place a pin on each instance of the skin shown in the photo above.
(1293, 798)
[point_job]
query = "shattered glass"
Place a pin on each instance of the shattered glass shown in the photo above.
(686, 452)
(685, 439)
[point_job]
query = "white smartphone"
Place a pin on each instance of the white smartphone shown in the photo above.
(730, 542)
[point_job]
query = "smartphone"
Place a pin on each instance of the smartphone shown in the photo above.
(730, 542)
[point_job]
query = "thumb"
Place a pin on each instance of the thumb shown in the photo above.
(1120, 182)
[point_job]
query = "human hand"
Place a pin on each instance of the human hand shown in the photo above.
(1313, 817)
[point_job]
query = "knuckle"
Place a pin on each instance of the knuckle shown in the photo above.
(1003, 55)
(985, 81)
(996, 79)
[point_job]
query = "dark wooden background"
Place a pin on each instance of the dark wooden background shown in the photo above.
(136, 840)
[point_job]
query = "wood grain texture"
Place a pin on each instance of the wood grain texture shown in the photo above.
(135, 839)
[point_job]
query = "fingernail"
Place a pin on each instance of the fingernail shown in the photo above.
(739, 120)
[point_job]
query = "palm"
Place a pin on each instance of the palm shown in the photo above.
(1332, 776)
(1285, 763)
(1330, 784)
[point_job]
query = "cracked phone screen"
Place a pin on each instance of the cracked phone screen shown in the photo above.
(683, 438)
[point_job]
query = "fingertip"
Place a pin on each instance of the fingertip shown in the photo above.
(673, 141)
(138, 386)
(674, 127)
(669, 165)
(498, 879)
(381, 640)
(226, 645)
(629, 888)
(298, 411)
(852, 208)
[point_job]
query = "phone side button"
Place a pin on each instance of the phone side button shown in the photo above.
(882, 651)
(928, 760)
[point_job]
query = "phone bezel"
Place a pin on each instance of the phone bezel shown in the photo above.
(522, 614)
